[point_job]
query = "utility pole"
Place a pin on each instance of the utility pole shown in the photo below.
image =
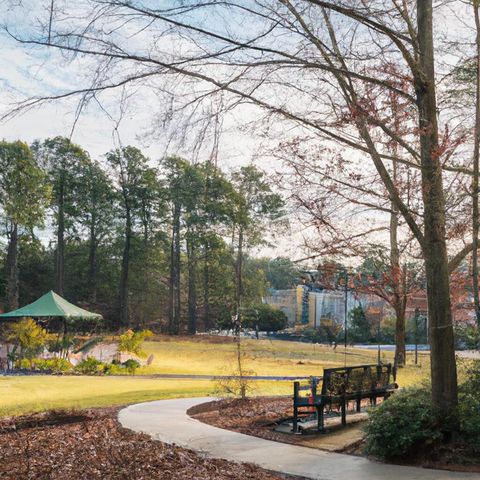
(379, 352)
(346, 308)
(417, 314)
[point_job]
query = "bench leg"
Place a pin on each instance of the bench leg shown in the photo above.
(320, 419)
(344, 412)
(295, 419)
(359, 404)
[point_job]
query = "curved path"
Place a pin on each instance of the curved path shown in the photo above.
(167, 420)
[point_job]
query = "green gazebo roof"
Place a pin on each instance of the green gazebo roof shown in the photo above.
(51, 305)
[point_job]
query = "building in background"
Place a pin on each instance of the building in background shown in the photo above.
(284, 300)
(304, 306)
(315, 307)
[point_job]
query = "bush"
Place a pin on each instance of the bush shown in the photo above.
(405, 426)
(54, 365)
(324, 333)
(467, 337)
(29, 337)
(114, 369)
(469, 404)
(267, 318)
(131, 342)
(402, 426)
(360, 328)
(23, 364)
(90, 366)
(131, 365)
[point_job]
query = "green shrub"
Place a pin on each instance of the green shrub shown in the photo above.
(324, 333)
(114, 369)
(29, 337)
(469, 416)
(402, 426)
(467, 337)
(90, 366)
(469, 404)
(131, 365)
(265, 317)
(131, 342)
(24, 364)
(54, 365)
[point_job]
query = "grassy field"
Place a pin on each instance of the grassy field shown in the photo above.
(265, 357)
(20, 395)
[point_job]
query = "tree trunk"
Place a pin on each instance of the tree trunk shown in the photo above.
(397, 277)
(476, 154)
(145, 226)
(177, 273)
(238, 319)
(400, 350)
(124, 274)
(171, 287)
(174, 298)
(192, 286)
(239, 273)
(11, 264)
(207, 324)
(443, 366)
(206, 288)
(92, 263)
(60, 251)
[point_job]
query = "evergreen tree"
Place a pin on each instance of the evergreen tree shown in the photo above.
(62, 160)
(23, 196)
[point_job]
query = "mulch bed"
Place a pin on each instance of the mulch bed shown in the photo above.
(92, 445)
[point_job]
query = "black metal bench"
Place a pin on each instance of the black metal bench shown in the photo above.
(339, 386)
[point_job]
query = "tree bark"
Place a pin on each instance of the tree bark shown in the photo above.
(398, 294)
(239, 273)
(397, 277)
(171, 287)
(476, 154)
(124, 274)
(443, 366)
(400, 350)
(60, 251)
(11, 263)
(177, 272)
(207, 324)
(174, 297)
(92, 262)
(206, 288)
(192, 286)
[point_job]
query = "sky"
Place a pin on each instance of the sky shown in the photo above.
(32, 72)
(36, 71)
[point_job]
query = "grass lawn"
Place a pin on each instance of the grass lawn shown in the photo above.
(19, 395)
(201, 355)
(265, 357)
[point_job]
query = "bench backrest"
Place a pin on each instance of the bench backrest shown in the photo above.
(357, 379)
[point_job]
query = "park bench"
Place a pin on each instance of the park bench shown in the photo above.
(339, 386)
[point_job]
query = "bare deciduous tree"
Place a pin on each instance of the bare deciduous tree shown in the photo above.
(311, 65)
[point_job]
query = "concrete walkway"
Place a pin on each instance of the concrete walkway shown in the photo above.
(167, 421)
